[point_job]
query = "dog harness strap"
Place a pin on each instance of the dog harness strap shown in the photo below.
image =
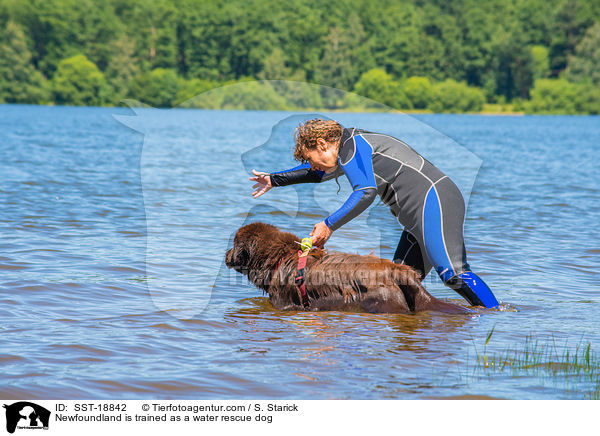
(302, 257)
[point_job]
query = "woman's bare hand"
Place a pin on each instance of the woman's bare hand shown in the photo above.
(263, 183)
(320, 234)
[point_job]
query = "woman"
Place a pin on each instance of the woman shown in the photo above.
(423, 199)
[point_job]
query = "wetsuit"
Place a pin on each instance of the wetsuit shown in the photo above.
(423, 199)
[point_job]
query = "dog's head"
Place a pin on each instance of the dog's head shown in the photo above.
(244, 245)
(257, 246)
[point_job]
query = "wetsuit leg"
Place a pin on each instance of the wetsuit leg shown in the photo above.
(409, 252)
(470, 286)
(443, 218)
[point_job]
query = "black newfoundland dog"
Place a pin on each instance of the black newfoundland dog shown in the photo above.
(332, 281)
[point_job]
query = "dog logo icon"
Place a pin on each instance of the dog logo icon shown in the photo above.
(26, 415)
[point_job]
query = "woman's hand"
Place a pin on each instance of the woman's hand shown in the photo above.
(263, 183)
(320, 234)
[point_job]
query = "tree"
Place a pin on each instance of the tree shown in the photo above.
(378, 85)
(158, 87)
(306, 28)
(122, 67)
(188, 89)
(249, 94)
(395, 39)
(533, 17)
(584, 65)
(514, 66)
(153, 26)
(553, 96)
(500, 46)
(20, 82)
(78, 81)
(588, 99)
(419, 91)
(438, 52)
(541, 61)
(59, 29)
(570, 23)
(54, 28)
(453, 96)
(202, 40)
(98, 31)
(558, 96)
(274, 67)
(346, 55)
(335, 68)
(298, 93)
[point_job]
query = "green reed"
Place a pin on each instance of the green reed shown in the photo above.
(544, 359)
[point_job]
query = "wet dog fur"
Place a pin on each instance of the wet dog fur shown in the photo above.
(334, 281)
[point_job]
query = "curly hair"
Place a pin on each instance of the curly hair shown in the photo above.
(307, 133)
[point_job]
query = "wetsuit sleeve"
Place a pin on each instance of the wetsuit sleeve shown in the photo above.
(299, 174)
(356, 160)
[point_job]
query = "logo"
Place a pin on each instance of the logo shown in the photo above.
(25, 415)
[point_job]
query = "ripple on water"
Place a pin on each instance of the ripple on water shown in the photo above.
(14, 266)
(161, 388)
(8, 358)
(78, 349)
(79, 320)
(165, 326)
(18, 393)
(463, 397)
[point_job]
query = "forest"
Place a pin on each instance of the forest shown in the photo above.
(529, 56)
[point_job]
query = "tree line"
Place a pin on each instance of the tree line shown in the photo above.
(538, 56)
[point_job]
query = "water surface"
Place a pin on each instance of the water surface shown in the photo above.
(112, 238)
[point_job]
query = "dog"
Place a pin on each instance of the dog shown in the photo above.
(332, 281)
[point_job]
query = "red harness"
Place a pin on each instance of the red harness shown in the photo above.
(299, 276)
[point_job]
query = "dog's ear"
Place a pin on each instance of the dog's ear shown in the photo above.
(244, 247)
(240, 256)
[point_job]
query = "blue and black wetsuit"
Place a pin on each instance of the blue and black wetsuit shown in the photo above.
(423, 199)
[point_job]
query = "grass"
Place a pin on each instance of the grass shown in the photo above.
(578, 366)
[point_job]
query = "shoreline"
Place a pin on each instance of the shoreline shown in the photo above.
(357, 110)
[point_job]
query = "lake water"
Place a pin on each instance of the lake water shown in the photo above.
(114, 226)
